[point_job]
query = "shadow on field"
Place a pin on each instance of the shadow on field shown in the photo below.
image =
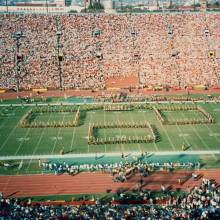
(11, 195)
(82, 117)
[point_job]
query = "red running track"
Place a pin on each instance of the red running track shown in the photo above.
(96, 182)
(36, 185)
(58, 93)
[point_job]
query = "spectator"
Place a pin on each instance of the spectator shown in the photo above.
(168, 50)
(201, 203)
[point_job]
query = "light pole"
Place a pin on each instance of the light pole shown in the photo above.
(98, 50)
(157, 2)
(60, 58)
(18, 57)
(47, 6)
(121, 5)
(171, 5)
(6, 2)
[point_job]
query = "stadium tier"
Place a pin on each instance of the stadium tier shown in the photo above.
(88, 51)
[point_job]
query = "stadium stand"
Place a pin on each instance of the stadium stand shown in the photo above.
(176, 50)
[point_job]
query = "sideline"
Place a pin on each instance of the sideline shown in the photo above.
(162, 153)
(107, 103)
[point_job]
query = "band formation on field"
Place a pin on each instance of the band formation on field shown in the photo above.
(49, 129)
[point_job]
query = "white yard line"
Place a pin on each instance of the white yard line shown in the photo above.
(35, 149)
(185, 140)
(55, 142)
(4, 122)
(210, 130)
(204, 143)
(73, 137)
(217, 113)
(87, 131)
(26, 134)
(10, 134)
(213, 155)
(104, 129)
(135, 133)
(122, 145)
(168, 137)
(155, 144)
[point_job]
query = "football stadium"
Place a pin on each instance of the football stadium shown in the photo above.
(110, 110)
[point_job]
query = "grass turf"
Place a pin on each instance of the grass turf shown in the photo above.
(54, 117)
(34, 141)
(181, 115)
(122, 132)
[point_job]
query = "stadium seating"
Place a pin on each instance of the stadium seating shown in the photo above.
(160, 49)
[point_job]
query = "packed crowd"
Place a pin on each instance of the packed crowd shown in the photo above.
(200, 203)
(161, 49)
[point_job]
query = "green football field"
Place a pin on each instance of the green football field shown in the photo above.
(17, 141)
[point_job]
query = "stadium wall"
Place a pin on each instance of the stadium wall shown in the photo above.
(40, 9)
